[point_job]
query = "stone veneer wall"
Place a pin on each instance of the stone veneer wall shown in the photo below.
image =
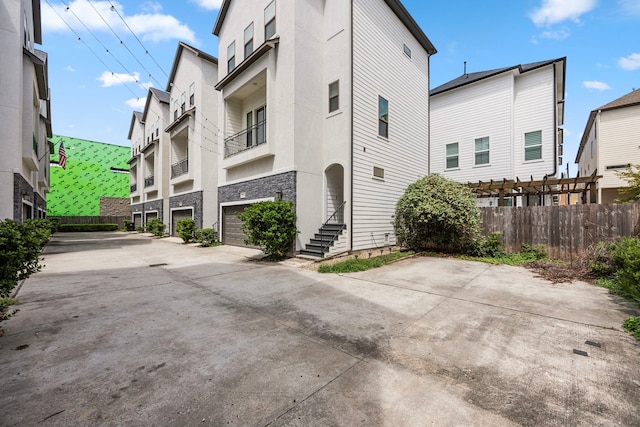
(114, 206)
(190, 200)
(21, 186)
(39, 203)
(155, 205)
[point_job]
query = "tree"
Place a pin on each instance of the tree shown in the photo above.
(436, 212)
(270, 225)
(631, 193)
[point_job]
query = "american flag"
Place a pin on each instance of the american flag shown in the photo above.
(62, 156)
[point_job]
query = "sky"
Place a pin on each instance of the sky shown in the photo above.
(105, 54)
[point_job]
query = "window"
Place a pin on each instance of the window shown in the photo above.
(192, 95)
(383, 117)
(533, 146)
(248, 40)
(482, 151)
(614, 167)
(378, 172)
(334, 96)
(175, 109)
(270, 20)
(183, 103)
(452, 156)
(407, 51)
(231, 57)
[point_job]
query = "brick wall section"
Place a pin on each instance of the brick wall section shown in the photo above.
(190, 200)
(21, 186)
(114, 206)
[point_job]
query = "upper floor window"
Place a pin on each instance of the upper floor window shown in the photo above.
(533, 146)
(334, 96)
(452, 156)
(192, 94)
(231, 57)
(248, 40)
(383, 117)
(270, 20)
(183, 103)
(407, 51)
(482, 151)
(175, 109)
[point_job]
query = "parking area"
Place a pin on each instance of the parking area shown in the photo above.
(123, 329)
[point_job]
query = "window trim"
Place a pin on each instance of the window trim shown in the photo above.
(383, 119)
(249, 41)
(380, 173)
(231, 56)
(268, 21)
(476, 151)
(336, 97)
(192, 94)
(533, 146)
(407, 50)
(448, 156)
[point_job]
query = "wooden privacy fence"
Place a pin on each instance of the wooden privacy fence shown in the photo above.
(568, 231)
(93, 220)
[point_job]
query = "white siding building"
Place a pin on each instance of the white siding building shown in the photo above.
(193, 131)
(149, 163)
(611, 142)
(500, 124)
(25, 113)
(325, 105)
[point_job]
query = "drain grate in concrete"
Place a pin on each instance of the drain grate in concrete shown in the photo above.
(580, 352)
(593, 344)
(158, 265)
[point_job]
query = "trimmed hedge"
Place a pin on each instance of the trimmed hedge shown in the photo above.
(87, 227)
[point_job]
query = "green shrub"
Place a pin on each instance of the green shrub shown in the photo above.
(55, 222)
(632, 325)
(534, 253)
(626, 260)
(437, 213)
(87, 227)
(186, 229)
(20, 247)
(270, 225)
(139, 229)
(352, 265)
(487, 247)
(206, 237)
(599, 260)
(156, 227)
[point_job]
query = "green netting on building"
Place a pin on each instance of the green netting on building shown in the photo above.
(94, 170)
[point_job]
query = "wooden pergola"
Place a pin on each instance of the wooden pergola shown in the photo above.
(533, 187)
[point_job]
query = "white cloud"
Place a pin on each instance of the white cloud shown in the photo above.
(630, 7)
(630, 63)
(556, 11)
(136, 103)
(560, 34)
(149, 26)
(69, 68)
(208, 4)
(596, 85)
(109, 79)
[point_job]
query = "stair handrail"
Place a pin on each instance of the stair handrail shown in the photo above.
(333, 216)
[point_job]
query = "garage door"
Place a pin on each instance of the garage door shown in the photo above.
(177, 216)
(231, 232)
(137, 220)
(149, 216)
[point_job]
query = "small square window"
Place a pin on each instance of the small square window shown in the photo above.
(270, 20)
(407, 51)
(378, 172)
(383, 117)
(334, 96)
(482, 151)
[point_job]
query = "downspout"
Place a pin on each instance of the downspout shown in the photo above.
(429, 113)
(352, 142)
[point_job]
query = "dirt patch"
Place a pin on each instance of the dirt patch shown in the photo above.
(560, 272)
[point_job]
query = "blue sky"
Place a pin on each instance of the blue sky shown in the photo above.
(94, 92)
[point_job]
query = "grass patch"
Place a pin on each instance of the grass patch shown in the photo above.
(632, 325)
(528, 254)
(353, 265)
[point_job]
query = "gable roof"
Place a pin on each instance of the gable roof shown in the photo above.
(137, 115)
(199, 53)
(395, 5)
(466, 79)
(628, 100)
(162, 97)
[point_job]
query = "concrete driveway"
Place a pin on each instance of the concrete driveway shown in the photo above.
(122, 329)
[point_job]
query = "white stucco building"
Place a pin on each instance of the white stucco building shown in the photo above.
(325, 104)
(25, 113)
(611, 142)
(500, 124)
(149, 163)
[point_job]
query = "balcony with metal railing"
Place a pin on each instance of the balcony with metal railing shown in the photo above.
(133, 188)
(247, 139)
(149, 181)
(180, 168)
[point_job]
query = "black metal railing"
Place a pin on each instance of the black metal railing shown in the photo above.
(148, 181)
(133, 188)
(180, 168)
(336, 218)
(246, 140)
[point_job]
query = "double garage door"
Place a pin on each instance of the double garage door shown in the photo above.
(231, 226)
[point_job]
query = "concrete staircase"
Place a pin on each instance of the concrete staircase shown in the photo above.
(323, 240)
